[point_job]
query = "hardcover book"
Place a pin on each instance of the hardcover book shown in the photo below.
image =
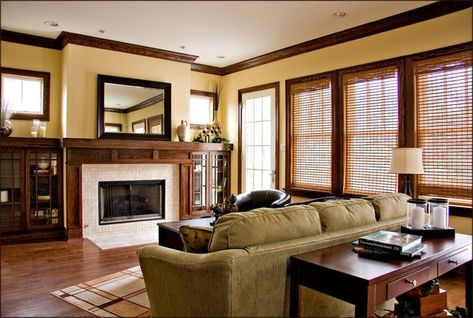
(414, 252)
(390, 241)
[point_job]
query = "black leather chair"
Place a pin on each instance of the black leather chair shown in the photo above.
(320, 199)
(270, 198)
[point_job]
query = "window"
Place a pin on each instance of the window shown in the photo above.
(371, 101)
(310, 103)
(26, 92)
(201, 109)
(443, 96)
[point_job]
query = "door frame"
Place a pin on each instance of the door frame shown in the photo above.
(275, 86)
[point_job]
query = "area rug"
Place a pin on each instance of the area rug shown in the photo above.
(120, 294)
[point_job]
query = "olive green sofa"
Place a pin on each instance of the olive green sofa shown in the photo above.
(246, 271)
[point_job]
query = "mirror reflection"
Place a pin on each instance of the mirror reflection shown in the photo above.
(132, 108)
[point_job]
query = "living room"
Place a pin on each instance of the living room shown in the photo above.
(74, 125)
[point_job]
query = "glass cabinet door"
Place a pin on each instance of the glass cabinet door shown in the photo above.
(219, 175)
(11, 216)
(43, 189)
(199, 182)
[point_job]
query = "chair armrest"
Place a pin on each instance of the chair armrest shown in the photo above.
(186, 284)
(285, 199)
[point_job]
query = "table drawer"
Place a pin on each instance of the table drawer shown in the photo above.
(453, 261)
(406, 283)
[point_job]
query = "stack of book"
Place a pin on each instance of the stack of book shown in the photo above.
(389, 244)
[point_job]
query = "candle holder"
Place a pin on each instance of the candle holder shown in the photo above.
(439, 211)
(417, 217)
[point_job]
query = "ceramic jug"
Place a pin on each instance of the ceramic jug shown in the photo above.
(184, 131)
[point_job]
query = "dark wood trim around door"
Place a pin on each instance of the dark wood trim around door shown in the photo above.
(275, 86)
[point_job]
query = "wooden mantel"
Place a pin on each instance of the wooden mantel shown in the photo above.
(114, 151)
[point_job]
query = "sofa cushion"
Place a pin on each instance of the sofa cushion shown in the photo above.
(264, 225)
(195, 238)
(388, 206)
(341, 215)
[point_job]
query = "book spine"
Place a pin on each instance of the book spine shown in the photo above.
(379, 245)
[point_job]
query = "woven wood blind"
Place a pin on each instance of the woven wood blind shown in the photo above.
(444, 125)
(371, 101)
(311, 142)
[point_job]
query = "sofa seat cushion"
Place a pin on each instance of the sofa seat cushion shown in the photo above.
(388, 206)
(195, 238)
(341, 215)
(264, 225)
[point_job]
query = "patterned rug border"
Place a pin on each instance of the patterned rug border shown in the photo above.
(120, 294)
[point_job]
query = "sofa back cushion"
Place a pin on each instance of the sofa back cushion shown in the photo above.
(264, 225)
(389, 206)
(343, 215)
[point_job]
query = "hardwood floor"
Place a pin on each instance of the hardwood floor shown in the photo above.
(29, 272)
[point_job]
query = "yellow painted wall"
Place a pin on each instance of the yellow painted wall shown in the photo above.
(37, 59)
(444, 31)
(436, 33)
(83, 65)
(116, 118)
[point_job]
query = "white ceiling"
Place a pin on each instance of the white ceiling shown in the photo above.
(238, 30)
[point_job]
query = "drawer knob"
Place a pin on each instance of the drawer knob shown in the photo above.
(451, 261)
(412, 282)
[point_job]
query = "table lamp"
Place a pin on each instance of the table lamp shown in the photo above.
(407, 161)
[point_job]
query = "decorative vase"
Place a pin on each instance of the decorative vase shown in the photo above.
(184, 131)
(6, 129)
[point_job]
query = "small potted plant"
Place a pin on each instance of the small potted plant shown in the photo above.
(5, 115)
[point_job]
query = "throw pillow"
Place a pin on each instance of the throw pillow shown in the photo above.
(195, 239)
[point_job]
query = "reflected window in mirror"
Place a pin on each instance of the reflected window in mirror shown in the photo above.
(110, 127)
(134, 104)
(201, 109)
(26, 93)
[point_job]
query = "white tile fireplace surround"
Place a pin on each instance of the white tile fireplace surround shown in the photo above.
(132, 233)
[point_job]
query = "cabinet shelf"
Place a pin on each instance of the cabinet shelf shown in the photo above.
(36, 191)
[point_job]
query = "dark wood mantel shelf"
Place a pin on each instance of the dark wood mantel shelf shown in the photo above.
(114, 151)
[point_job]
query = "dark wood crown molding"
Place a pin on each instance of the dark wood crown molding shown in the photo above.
(85, 40)
(27, 39)
(424, 13)
(206, 69)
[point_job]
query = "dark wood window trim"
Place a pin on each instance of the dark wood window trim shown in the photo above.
(275, 86)
(207, 94)
(45, 76)
(119, 126)
(337, 119)
(407, 130)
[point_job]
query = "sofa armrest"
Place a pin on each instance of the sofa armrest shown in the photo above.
(186, 284)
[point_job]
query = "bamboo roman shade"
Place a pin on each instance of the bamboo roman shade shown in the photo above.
(311, 111)
(371, 101)
(443, 92)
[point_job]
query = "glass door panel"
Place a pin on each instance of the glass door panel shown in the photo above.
(43, 190)
(219, 178)
(11, 191)
(200, 184)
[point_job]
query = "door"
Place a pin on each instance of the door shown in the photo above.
(258, 138)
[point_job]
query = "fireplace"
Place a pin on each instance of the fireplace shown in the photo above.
(131, 201)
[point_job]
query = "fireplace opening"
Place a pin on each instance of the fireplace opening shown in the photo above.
(131, 201)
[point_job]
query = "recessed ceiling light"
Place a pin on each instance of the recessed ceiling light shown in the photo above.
(339, 14)
(183, 47)
(51, 23)
(102, 31)
(220, 56)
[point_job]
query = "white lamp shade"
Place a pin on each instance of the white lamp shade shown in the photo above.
(407, 161)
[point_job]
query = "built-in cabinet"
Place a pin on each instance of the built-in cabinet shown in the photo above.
(31, 190)
(210, 181)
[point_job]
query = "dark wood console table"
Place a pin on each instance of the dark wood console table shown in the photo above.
(169, 231)
(341, 273)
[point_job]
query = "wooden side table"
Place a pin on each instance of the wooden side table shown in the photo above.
(169, 231)
(364, 282)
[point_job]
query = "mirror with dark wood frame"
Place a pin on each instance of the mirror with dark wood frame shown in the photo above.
(131, 108)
